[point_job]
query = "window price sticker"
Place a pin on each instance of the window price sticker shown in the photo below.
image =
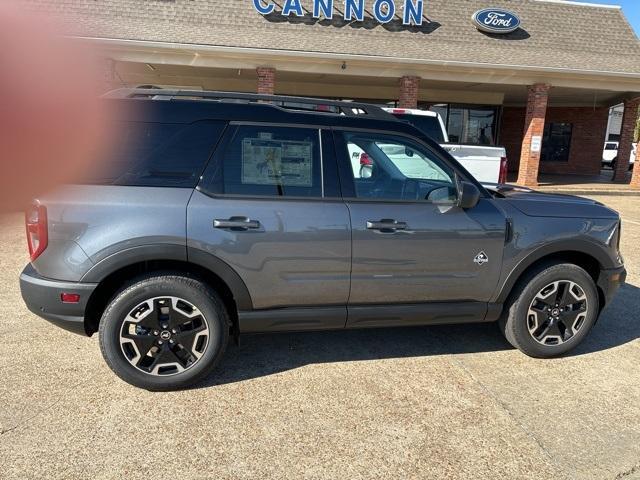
(277, 162)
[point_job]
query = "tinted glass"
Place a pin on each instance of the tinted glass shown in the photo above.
(611, 146)
(456, 125)
(271, 161)
(556, 143)
(157, 154)
(473, 125)
(442, 110)
(430, 126)
(394, 168)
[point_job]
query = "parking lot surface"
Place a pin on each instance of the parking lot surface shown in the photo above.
(432, 402)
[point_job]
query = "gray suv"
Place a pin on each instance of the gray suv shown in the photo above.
(217, 214)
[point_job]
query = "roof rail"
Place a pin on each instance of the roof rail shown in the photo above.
(319, 105)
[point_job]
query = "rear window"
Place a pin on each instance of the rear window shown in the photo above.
(428, 125)
(157, 154)
(611, 146)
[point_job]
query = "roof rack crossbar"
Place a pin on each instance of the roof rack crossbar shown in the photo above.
(343, 107)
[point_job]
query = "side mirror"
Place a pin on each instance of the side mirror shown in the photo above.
(468, 195)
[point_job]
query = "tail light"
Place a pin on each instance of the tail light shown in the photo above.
(399, 111)
(37, 229)
(365, 160)
(502, 177)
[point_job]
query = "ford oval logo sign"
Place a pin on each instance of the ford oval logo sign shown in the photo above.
(496, 20)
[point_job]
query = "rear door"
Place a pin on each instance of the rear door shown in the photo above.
(411, 243)
(269, 207)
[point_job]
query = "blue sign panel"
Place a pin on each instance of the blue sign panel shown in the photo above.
(351, 10)
(496, 20)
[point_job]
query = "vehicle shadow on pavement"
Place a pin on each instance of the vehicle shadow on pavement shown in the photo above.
(268, 354)
(618, 325)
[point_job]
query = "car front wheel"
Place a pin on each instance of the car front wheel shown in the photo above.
(551, 310)
(164, 332)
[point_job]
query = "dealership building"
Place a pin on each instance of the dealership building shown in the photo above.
(536, 76)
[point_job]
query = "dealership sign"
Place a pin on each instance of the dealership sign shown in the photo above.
(496, 20)
(383, 11)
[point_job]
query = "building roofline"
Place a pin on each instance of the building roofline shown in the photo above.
(203, 48)
(583, 4)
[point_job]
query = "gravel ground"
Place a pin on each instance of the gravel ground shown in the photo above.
(433, 402)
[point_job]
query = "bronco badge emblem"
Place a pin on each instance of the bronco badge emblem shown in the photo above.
(481, 258)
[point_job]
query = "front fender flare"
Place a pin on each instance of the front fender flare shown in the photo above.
(585, 247)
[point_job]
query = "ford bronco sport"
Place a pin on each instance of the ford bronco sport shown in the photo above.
(218, 214)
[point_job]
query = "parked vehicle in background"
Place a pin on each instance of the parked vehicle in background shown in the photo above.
(218, 213)
(609, 154)
(487, 164)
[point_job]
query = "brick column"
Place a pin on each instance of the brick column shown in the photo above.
(266, 80)
(629, 119)
(537, 100)
(409, 88)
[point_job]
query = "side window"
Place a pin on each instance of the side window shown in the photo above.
(157, 154)
(271, 161)
(387, 167)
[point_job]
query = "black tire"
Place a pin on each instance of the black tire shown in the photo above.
(517, 318)
(211, 320)
(613, 164)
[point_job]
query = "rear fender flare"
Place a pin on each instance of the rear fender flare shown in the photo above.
(181, 253)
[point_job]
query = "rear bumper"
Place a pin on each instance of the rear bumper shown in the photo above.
(611, 280)
(42, 297)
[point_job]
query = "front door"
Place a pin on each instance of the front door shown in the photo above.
(411, 243)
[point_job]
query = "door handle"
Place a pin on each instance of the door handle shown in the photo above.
(237, 223)
(386, 225)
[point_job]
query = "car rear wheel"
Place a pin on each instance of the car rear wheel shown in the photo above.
(164, 332)
(551, 310)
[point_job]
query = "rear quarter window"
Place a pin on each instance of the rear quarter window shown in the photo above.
(157, 154)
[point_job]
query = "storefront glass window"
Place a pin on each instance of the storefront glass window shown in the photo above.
(456, 125)
(474, 125)
(556, 143)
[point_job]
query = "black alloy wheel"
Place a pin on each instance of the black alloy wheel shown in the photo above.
(557, 312)
(164, 336)
(164, 331)
(550, 310)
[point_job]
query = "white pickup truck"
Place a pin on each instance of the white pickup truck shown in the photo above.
(486, 164)
(610, 155)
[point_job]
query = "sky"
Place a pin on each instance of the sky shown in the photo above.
(631, 9)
